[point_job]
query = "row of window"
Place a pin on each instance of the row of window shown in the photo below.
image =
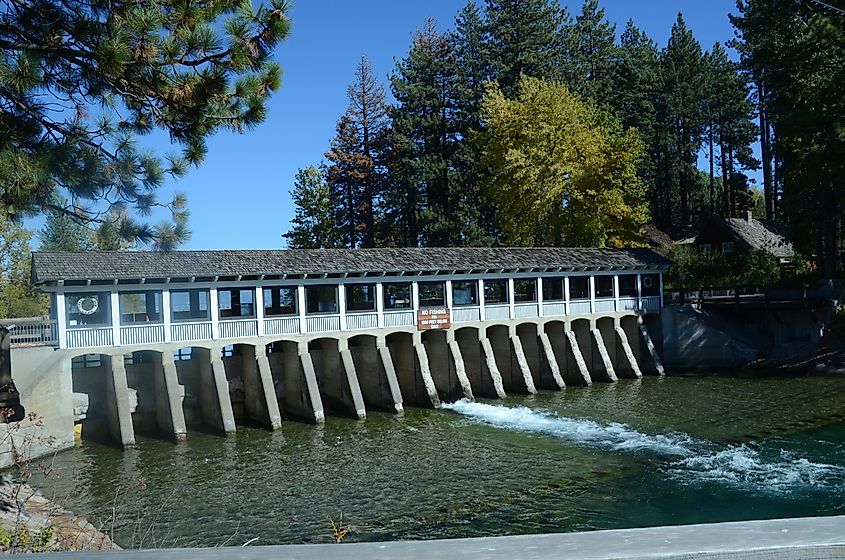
(706, 248)
(93, 309)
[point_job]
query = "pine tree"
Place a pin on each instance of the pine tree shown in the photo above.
(64, 233)
(359, 157)
(79, 80)
(18, 297)
(594, 52)
(314, 224)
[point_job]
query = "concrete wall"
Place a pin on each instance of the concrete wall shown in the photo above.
(691, 341)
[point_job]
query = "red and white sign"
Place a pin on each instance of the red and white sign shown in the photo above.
(434, 318)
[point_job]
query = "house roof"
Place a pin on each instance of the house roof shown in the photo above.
(50, 267)
(764, 235)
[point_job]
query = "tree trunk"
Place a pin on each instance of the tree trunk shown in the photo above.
(766, 154)
(712, 177)
(726, 198)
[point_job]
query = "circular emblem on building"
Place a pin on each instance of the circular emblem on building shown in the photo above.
(648, 282)
(88, 305)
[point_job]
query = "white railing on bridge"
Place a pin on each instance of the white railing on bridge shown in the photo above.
(34, 331)
(90, 338)
(362, 321)
(466, 314)
(526, 310)
(497, 312)
(627, 303)
(650, 303)
(322, 323)
(183, 332)
(142, 334)
(238, 328)
(605, 306)
(550, 309)
(579, 308)
(281, 325)
(406, 318)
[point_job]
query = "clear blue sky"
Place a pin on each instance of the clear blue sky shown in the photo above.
(239, 197)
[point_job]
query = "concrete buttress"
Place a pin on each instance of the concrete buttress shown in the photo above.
(460, 369)
(265, 377)
(117, 397)
(552, 360)
(652, 351)
(221, 385)
(606, 363)
(516, 344)
(352, 381)
(425, 373)
(495, 374)
(390, 373)
(169, 398)
(580, 364)
(311, 382)
(628, 353)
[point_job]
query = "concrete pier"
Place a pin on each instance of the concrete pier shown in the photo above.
(118, 408)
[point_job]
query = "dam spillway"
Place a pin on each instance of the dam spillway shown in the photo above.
(163, 343)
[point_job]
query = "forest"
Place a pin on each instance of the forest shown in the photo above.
(523, 124)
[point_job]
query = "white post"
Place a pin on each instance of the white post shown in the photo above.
(568, 309)
(511, 299)
(61, 319)
(660, 285)
(415, 298)
(300, 305)
(114, 304)
(215, 313)
(539, 296)
(639, 292)
(259, 309)
(616, 292)
(481, 298)
(165, 314)
(341, 305)
(448, 298)
(592, 294)
(379, 304)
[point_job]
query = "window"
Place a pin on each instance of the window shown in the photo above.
(525, 290)
(495, 291)
(651, 285)
(189, 305)
(360, 297)
(236, 302)
(397, 296)
(280, 301)
(704, 248)
(321, 299)
(604, 286)
(553, 289)
(182, 355)
(628, 285)
(728, 247)
(227, 351)
(579, 287)
(465, 293)
(87, 361)
(432, 294)
(88, 310)
(140, 307)
(136, 358)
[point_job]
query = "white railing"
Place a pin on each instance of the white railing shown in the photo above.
(36, 332)
(238, 328)
(90, 338)
(181, 332)
(362, 321)
(497, 312)
(579, 308)
(551, 309)
(466, 314)
(605, 306)
(523, 310)
(322, 323)
(406, 318)
(628, 303)
(141, 334)
(281, 325)
(651, 303)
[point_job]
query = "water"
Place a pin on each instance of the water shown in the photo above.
(637, 453)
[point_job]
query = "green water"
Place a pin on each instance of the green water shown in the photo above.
(637, 453)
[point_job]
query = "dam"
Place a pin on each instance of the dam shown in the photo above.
(163, 343)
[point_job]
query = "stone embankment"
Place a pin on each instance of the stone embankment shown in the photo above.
(29, 522)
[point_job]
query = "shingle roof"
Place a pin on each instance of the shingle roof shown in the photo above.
(764, 235)
(50, 267)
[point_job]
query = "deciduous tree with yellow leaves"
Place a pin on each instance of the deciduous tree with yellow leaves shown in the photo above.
(561, 171)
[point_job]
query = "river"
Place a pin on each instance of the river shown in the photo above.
(671, 450)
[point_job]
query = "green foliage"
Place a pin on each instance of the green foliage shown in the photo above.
(18, 297)
(23, 540)
(61, 232)
(691, 269)
(314, 223)
(79, 80)
(560, 171)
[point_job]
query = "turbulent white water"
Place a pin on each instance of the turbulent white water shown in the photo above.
(690, 459)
